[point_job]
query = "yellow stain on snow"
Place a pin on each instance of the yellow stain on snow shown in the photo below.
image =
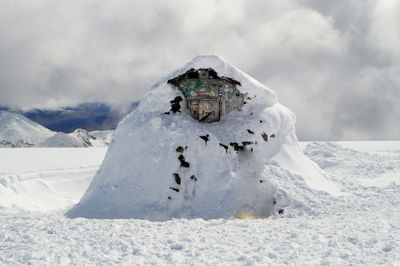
(251, 216)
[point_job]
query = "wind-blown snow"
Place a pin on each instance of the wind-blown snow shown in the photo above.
(138, 176)
(18, 131)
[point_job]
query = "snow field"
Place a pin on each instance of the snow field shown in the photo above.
(43, 179)
(359, 226)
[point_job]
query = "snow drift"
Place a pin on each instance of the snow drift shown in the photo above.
(18, 131)
(161, 166)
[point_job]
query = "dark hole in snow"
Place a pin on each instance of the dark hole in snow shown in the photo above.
(177, 178)
(274, 202)
(281, 211)
(193, 177)
(174, 189)
(183, 162)
(244, 102)
(265, 136)
(272, 136)
(261, 181)
(251, 149)
(169, 197)
(250, 132)
(205, 138)
(180, 149)
(260, 121)
(175, 104)
(236, 146)
(224, 146)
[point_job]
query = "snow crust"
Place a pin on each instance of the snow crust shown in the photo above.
(18, 131)
(138, 176)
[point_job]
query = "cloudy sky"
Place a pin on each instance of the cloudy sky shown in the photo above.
(336, 64)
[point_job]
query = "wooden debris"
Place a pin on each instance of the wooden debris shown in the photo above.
(265, 136)
(177, 178)
(174, 189)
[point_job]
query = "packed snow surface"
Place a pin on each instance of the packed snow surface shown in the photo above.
(18, 131)
(162, 165)
(358, 227)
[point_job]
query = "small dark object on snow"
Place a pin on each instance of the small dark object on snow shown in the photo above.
(236, 146)
(251, 113)
(180, 149)
(265, 136)
(274, 202)
(248, 98)
(169, 197)
(272, 136)
(261, 181)
(251, 149)
(166, 113)
(245, 143)
(244, 102)
(193, 177)
(205, 138)
(251, 132)
(183, 162)
(260, 121)
(281, 211)
(186, 148)
(224, 146)
(177, 178)
(174, 189)
(175, 106)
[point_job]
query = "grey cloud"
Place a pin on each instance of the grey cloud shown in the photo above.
(334, 63)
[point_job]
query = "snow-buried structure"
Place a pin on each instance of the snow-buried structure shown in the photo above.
(163, 163)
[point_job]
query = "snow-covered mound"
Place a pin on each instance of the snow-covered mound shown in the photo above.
(162, 165)
(78, 138)
(18, 131)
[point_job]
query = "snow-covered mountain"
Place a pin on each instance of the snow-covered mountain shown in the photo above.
(162, 165)
(18, 131)
(78, 138)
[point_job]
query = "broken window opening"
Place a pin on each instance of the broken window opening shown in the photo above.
(208, 95)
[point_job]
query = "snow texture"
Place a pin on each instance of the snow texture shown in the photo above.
(18, 131)
(359, 227)
(161, 166)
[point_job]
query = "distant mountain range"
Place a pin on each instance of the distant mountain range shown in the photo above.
(88, 116)
(17, 130)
